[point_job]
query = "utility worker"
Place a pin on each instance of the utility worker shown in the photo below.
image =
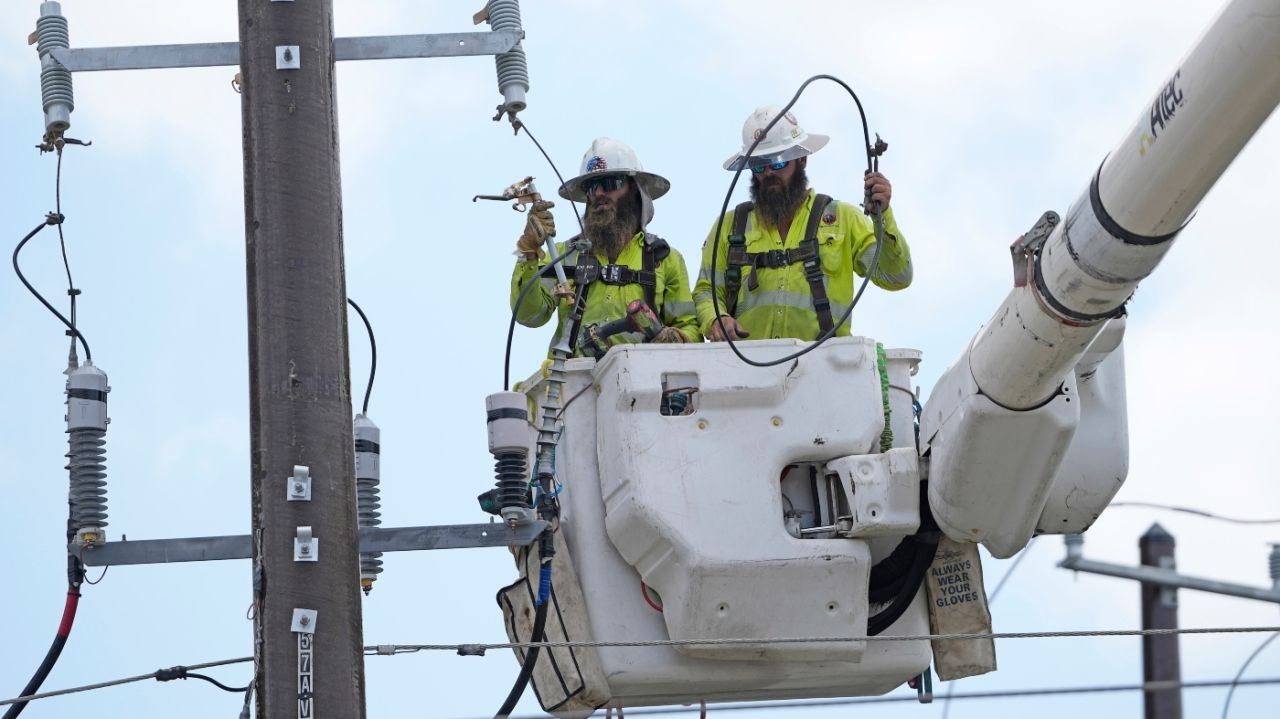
(786, 259)
(626, 262)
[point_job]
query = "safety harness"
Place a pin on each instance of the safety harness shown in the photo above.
(806, 253)
(588, 270)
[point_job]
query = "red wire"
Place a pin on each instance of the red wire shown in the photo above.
(644, 592)
(69, 612)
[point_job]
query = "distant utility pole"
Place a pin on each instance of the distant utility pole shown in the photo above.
(1160, 582)
(300, 399)
(1160, 658)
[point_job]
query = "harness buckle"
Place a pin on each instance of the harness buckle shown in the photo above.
(611, 274)
(812, 267)
(776, 258)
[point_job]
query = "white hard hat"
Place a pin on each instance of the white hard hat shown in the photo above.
(607, 156)
(785, 141)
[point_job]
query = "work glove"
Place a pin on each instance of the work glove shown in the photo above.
(538, 225)
(669, 335)
(731, 326)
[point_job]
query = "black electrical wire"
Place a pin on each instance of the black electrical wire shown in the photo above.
(526, 670)
(52, 218)
(877, 217)
(62, 240)
(907, 591)
(511, 328)
(1235, 681)
(521, 126)
(72, 292)
(75, 574)
(75, 567)
(130, 680)
(180, 672)
(540, 618)
(896, 579)
(887, 575)
(373, 352)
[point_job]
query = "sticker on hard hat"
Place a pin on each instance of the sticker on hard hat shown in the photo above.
(597, 164)
(791, 118)
(759, 133)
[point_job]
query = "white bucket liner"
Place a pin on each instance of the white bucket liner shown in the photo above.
(831, 395)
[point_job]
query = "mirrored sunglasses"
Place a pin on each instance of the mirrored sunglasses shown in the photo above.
(775, 166)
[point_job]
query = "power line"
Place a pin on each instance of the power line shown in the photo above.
(1193, 510)
(1226, 705)
(1005, 694)
(384, 650)
(480, 649)
(127, 680)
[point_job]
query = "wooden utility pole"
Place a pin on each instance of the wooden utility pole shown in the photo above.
(1160, 660)
(300, 399)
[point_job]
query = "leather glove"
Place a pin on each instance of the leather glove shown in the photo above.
(538, 225)
(669, 335)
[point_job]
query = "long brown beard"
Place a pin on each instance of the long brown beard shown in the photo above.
(776, 201)
(611, 228)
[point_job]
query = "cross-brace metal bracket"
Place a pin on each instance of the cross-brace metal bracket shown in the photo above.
(372, 539)
(215, 54)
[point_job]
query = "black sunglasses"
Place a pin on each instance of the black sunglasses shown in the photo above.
(606, 184)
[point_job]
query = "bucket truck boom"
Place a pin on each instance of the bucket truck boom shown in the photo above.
(1000, 421)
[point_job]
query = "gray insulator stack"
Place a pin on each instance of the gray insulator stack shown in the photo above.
(509, 437)
(87, 429)
(513, 69)
(55, 80)
(368, 477)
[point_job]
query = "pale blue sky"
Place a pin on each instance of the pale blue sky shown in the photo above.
(994, 112)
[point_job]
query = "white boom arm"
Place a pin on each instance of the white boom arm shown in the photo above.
(1001, 419)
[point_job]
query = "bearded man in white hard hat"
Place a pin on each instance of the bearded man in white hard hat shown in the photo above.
(626, 262)
(787, 259)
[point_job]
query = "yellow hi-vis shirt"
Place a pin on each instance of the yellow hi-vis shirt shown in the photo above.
(781, 305)
(609, 302)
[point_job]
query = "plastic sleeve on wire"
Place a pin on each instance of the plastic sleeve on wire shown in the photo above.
(544, 585)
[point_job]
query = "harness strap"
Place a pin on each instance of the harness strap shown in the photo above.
(805, 254)
(737, 257)
(584, 273)
(813, 265)
(589, 270)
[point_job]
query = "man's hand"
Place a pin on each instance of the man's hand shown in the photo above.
(537, 227)
(877, 189)
(730, 327)
(669, 335)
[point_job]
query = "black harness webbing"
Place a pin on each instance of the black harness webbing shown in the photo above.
(806, 253)
(589, 270)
